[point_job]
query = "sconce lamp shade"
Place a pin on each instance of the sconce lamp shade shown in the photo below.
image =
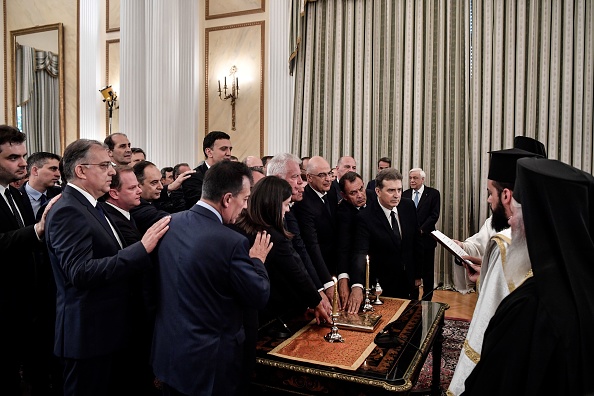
(108, 94)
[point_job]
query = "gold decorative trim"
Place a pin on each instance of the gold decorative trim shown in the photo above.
(473, 355)
(107, 28)
(262, 49)
(232, 14)
(405, 387)
(338, 376)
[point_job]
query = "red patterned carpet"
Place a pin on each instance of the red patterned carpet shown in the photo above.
(454, 333)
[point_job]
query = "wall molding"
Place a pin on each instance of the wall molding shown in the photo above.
(262, 58)
(208, 16)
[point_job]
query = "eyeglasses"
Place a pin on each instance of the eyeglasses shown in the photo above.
(324, 175)
(103, 165)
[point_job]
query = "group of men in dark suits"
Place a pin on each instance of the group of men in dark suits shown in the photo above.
(101, 232)
(385, 226)
(24, 270)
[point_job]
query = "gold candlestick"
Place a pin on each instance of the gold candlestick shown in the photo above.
(335, 299)
(367, 305)
(334, 335)
(367, 274)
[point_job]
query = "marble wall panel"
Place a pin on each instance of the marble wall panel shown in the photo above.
(112, 15)
(113, 79)
(228, 8)
(240, 45)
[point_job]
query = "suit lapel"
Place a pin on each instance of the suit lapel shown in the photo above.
(8, 214)
(26, 211)
(379, 212)
(92, 211)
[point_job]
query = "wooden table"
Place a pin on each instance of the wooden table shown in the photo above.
(384, 371)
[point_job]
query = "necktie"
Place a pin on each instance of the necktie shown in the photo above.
(416, 198)
(42, 200)
(15, 212)
(395, 225)
(102, 217)
(327, 204)
(104, 222)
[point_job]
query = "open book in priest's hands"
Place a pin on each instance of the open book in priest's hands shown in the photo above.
(451, 246)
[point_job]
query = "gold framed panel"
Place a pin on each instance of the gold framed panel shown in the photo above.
(112, 77)
(228, 8)
(240, 45)
(112, 15)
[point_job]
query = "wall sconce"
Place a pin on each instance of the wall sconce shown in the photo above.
(233, 95)
(110, 97)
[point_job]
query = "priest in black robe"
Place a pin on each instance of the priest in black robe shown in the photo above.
(540, 339)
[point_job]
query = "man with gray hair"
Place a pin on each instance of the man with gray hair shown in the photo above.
(286, 166)
(92, 267)
(428, 202)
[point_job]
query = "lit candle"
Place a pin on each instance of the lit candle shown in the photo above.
(225, 82)
(367, 274)
(335, 299)
(237, 83)
(219, 86)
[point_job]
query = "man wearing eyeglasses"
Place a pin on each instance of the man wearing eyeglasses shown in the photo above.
(316, 217)
(92, 266)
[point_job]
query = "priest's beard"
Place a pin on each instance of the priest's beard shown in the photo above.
(499, 219)
(518, 259)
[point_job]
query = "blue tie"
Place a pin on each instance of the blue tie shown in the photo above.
(416, 198)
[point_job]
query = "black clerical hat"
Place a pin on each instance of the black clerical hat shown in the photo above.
(502, 167)
(529, 144)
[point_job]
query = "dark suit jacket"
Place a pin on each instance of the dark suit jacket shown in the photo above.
(346, 230)
(291, 287)
(91, 273)
(192, 186)
(17, 248)
(427, 214)
(371, 185)
(126, 227)
(50, 193)
(318, 230)
(389, 258)
(146, 214)
(207, 282)
(292, 226)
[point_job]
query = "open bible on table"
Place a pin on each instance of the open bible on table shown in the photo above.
(450, 246)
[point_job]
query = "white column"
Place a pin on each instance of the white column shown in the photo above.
(159, 78)
(280, 84)
(91, 108)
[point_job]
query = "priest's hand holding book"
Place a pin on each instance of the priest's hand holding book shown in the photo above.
(473, 267)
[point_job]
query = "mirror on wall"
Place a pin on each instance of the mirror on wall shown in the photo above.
(38, 86)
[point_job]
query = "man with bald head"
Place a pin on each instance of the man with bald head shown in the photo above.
(345, 164)
(286, 166)
(316, 216)
(252, 161)
(119, 149)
